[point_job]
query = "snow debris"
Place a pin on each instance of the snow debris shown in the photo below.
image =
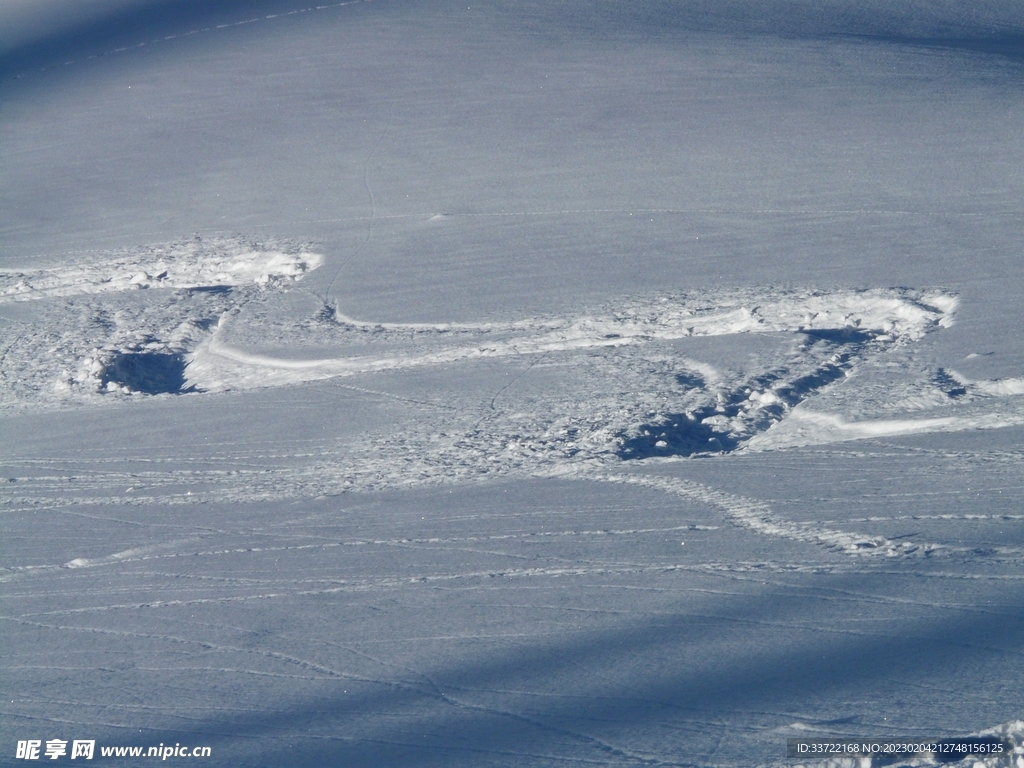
(194, 263)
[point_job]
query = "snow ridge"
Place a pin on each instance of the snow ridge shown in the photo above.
(192, 263)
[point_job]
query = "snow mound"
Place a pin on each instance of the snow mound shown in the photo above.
(992, 387)
(193, 263)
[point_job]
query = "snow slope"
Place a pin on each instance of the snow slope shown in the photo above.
(544, 385)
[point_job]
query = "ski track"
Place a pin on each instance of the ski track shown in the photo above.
(666, 404)
(193, 32)
(896, 317)
(758, 516)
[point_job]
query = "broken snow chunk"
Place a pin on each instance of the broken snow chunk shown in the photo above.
(764, 398)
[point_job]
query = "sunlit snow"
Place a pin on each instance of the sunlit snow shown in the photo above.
(431, 384)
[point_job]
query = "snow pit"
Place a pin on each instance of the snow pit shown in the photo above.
(152, 373)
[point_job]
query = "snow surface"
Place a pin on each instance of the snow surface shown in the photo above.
(542, 384)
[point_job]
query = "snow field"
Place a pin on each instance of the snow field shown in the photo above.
(686, 481)
(323, 594)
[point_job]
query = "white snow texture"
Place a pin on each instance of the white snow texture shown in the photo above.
(545, 385)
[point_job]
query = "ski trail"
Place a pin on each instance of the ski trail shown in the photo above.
(758, 517)
(642, 401)
(328, 306)
(194, 32)
(807, 427)
(887, 317)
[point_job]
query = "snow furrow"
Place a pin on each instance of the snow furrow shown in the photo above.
(758, 517)
(891, 316)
